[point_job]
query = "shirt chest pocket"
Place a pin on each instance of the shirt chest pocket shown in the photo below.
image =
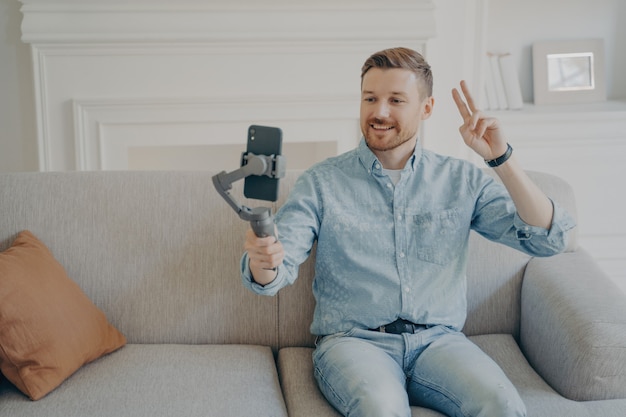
(437, 236)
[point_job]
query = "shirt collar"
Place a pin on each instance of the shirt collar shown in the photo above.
(373, 165)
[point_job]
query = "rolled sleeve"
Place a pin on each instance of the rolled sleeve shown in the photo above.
(545, 242)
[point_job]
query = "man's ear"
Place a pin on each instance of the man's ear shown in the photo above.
(427, 107)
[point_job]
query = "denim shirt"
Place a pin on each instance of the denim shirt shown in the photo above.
(386, 252)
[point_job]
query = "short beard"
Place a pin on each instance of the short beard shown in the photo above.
(374, 145)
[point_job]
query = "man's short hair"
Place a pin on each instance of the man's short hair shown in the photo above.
(404, 58)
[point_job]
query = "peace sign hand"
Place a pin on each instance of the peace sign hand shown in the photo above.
(481, 133)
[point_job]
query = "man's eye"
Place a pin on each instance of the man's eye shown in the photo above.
(396, 100)
(369, 99)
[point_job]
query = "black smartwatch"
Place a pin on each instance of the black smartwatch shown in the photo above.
(502, 159)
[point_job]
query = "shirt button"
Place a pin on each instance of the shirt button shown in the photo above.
(407, 290)
(399, 216)
(402, 254)
(377, 166)
(389, 185)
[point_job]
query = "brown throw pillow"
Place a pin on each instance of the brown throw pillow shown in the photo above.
(48, 326)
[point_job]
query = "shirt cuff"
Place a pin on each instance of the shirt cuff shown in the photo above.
(246, 276)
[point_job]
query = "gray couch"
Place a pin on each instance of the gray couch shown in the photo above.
(159, 253)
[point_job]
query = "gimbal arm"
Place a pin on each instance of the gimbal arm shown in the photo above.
(260, 218)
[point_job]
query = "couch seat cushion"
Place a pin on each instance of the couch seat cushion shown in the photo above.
(303, 399)
(163, 380)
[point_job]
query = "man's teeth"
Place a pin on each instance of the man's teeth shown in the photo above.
(382, 127)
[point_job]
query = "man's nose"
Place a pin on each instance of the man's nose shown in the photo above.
(381, 109)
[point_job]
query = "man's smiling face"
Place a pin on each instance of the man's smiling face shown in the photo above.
(392, 109)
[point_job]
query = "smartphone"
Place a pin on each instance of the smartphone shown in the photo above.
(262, 140)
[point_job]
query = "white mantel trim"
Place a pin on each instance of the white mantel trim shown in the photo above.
(90, 21)
(92, 115)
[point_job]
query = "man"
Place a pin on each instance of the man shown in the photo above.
(392, 223)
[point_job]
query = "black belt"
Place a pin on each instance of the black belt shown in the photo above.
(400, 326)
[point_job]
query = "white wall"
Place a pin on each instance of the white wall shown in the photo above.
(447, 57)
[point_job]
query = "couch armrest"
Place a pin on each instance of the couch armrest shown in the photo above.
(573, 327)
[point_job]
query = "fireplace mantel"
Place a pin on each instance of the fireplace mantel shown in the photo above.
(115, 75)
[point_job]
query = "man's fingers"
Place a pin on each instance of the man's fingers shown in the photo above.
(466, 106)
(267, 256)
(460, 104)
(468, 97)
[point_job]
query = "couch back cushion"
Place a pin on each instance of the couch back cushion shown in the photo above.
(157, 252)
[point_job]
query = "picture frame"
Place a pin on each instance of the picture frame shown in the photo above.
(568, 71)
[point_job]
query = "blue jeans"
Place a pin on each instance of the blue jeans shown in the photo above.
(365, 373)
